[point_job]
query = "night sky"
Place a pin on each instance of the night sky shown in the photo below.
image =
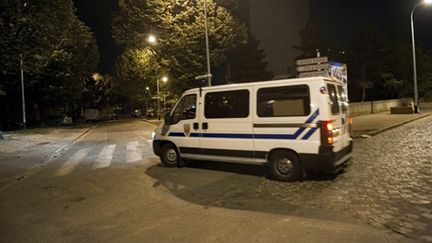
(337, 19)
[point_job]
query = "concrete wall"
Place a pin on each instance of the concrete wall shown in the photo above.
(369, 107)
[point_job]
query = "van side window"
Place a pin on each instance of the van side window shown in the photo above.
(334, 104)
(283, 101)
(227, 104)
(185, 110)
(343, 99)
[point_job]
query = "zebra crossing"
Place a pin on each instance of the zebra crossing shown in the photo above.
(104, 156)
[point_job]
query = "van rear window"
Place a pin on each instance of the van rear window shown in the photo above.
(343, 99)
(283, 101)
(334, 104)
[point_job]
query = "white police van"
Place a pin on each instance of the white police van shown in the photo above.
(292, 125)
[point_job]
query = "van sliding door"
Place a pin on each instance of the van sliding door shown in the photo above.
(226, 125)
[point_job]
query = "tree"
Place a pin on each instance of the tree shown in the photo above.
(58, 52)
(248, 63)
(135, 70)
(311, 41)
(179, 26)
(424, 68)
(367, 64)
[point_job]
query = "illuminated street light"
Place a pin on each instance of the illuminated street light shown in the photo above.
(151, 39)
(416, 103)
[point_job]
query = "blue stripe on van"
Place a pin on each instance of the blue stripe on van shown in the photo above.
(256, 136)
(309, 134)
(313, 116)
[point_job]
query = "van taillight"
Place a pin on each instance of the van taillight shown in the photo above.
(327, 132)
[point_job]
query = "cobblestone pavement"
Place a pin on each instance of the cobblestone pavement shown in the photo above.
(389, 183)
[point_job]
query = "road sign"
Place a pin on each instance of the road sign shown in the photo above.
(316, 67)
(309, 61)
(155, 97)
(313, 74)
(202, 77)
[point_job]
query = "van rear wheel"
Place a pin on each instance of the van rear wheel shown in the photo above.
(285, 166)
(169, 155)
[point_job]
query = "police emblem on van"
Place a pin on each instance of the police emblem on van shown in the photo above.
(186, 129)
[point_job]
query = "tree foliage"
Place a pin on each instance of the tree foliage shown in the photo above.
(57, 50)
(311, 41)
(179, 27)
(248, 63)
(379, 62)
(135, 70)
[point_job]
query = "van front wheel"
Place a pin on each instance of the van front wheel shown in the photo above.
(169, 155)
(285, 166)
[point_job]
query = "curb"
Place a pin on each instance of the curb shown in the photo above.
(149, 122)
(381, 130)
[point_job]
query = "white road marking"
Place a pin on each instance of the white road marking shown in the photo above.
(132, 152)
(105, 157)
(72, 162)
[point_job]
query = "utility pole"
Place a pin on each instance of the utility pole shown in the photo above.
(207, 44)
(22, 92)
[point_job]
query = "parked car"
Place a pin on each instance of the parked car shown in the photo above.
(58, 120)
(136, 113)
(92, 115)
(150, 113)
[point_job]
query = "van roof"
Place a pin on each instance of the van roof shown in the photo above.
(281, 81)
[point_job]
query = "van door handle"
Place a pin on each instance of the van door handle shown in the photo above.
(195, 125)
(205, 126)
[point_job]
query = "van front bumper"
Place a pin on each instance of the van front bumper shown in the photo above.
(326, 158)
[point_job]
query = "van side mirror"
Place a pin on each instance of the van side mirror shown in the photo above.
(167, 118)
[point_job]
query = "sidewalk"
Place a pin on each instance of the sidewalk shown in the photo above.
(21, 151)
(372, 124)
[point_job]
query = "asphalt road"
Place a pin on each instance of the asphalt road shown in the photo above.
(110, 187)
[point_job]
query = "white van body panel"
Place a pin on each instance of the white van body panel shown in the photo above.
(252, 137)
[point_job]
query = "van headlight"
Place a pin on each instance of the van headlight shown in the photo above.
(153, 135)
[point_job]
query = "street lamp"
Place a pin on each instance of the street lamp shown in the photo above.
(151, 39)
(147, 93)
(24, 119)
(207, 44)
(416, 103)
(164, 80)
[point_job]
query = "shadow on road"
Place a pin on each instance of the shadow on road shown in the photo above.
(242, 187)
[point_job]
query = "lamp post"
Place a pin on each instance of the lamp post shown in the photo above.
(207, 44)
(22, 92)
(416, 103)
(164, 79)
(147, 93)
(24, 119)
